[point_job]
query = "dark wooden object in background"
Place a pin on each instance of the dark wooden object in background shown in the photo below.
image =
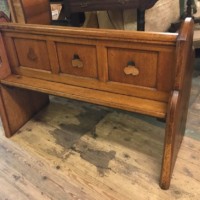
(191, 10)
(32, 12)
(39, 12)
(76, 6)
(148, 73)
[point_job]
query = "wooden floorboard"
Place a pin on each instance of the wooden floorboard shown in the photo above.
(73, 150)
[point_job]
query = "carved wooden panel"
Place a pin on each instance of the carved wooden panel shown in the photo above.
(79, 60)
(144, 63)
(32, 53)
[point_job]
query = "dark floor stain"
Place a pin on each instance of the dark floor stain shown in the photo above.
(187, 171)
(54, 152)
(126, 168)
(16, 177)
(44, 177)
(177, 192)
(94, 134)
(98, 158)
(126, 155)
(87, 119)
(69, 134)
(127, 139)
(194, 157)
(57, 167)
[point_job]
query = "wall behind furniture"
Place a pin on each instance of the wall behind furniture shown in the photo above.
(4, 7)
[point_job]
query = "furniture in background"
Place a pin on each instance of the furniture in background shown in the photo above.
(32, 12)
(187, 9)
(72, 14)
(191, 8)
(78, 6)
(65, 18)
(144, 72)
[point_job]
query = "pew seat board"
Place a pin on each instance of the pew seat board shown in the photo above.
(130, 103)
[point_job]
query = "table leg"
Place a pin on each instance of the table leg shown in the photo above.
(189, 8)
(140, 20)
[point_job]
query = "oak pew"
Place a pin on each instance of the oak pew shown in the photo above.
(143, 72)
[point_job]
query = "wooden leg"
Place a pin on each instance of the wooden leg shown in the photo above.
(17, 106)
(140, 20)
(189, 8)
(175, 128)
(170, 141)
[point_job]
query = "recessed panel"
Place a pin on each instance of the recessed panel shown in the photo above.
(32, 53)
(134, 67)
(79, 60)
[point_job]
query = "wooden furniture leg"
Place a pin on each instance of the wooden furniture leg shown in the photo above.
(140, 20)
(178, 106)
(17, 106)
(175, 128)
(172, 140)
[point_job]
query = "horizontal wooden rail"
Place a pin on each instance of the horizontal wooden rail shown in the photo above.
(129, 103)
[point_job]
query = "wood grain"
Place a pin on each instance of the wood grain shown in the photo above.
(4, 64)
(178, 105)
(129, 103)
(18, 106)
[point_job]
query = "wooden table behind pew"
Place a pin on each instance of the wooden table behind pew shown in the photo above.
(75, 6)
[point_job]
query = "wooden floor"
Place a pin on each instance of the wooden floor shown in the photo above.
(74, 150)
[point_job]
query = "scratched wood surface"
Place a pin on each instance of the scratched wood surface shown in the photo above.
(74, 150)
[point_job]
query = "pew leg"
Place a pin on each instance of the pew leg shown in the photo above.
(17, 106)
(175, 125)
(169, 155)
(175, 129)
